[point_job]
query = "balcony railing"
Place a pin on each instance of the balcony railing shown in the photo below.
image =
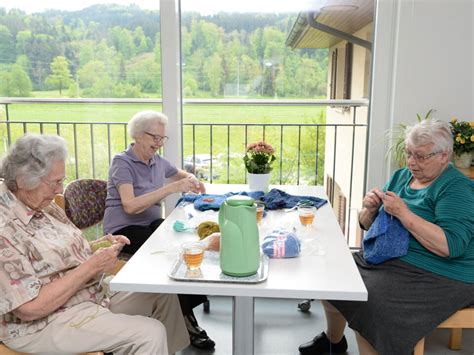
(306, 152)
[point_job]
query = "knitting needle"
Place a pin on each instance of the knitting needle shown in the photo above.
(101, 279)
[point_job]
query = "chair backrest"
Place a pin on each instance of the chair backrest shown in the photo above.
(85, 201)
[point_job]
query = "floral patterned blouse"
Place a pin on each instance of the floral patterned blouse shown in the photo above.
(36, 248)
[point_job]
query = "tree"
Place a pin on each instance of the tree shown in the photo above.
(7, 46)
(21, 81)
(122, 40)
(91, 73)
(140, 41)
(60, 77)
(15, 82)
(40, 54)
(146, 73)
(213, 71)
(23, 41)
(6, 83)
(308, 77)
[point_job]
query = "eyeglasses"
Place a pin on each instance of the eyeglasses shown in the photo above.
(418, 157)
(157, 138)
(54, 184)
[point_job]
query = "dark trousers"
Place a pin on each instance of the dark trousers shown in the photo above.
(138, 235)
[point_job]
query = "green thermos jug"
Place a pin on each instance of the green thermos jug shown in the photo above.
(239, 250)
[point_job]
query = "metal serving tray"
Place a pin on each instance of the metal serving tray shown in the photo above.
(210, 271)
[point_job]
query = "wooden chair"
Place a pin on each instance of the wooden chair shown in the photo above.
(463, 318)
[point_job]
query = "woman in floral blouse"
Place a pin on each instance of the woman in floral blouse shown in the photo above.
(52, 298)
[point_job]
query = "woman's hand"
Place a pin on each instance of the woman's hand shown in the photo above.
(370, 207)
(202, 188)
(372, 200)
(104, 259)
(393, 204)
(117, 239)
(430, 235)
(189, 184)
(108, 240)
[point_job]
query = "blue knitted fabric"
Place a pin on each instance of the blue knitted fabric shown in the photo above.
(386, 239)
(276, 199)
(206, 202)
(281, 244)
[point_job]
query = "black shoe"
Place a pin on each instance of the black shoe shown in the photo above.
(202, 343)
(197, 335)
(321, 344)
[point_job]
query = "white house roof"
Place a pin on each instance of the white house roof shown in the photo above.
(346, 16)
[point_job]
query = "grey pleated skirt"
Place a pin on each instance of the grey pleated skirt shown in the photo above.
(405, 304)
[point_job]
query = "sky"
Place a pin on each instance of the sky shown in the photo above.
(205, 7)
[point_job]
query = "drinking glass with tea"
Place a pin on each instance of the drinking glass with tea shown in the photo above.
(260, 210)
(192, 254)
(306, 214)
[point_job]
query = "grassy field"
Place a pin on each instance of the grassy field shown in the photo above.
(228, 142)
(191, 113)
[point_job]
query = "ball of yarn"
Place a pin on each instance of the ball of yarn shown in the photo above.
(207, 228)
(102, 244)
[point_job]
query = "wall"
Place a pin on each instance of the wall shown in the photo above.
(423, 58)
(343, 143)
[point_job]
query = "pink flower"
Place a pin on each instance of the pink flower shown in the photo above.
(260, 147)
(259, 157)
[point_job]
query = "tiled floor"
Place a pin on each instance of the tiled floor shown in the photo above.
(280, 327)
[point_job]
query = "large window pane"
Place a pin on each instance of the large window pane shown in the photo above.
(94, 62)
(237, 51)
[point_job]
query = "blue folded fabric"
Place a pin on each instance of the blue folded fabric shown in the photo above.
(386, 239)
(281, 244)
(206, 202)
(276, 199)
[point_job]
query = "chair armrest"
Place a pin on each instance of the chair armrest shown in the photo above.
(60, 201)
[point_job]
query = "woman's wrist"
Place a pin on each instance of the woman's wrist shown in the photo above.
(366, 218)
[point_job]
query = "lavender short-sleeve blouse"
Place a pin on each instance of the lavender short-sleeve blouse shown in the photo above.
(126, 168)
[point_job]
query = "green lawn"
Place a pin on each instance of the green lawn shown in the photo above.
(191, 113)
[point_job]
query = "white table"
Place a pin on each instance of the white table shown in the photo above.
(332, 276)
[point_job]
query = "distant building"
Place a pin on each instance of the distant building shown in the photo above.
(347, 31)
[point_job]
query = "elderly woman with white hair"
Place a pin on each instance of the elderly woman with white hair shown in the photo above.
(409, 296)
(139, 179)
(52, 299)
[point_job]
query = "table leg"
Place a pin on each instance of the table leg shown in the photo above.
(242, 330)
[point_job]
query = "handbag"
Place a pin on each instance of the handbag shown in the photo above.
(386, 239)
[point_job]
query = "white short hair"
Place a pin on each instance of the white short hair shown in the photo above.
(431, 131)
(142, 121)
(31, 158)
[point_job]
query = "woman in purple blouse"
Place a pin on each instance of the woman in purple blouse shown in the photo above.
(139, 179)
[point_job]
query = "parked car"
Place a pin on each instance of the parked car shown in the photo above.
(200, 165)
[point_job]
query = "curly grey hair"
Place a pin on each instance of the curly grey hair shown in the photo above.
(141, 122)
(431, 131)
(30, 159)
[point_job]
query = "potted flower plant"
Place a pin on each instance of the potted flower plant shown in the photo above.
(463, 145)
(258, 161)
